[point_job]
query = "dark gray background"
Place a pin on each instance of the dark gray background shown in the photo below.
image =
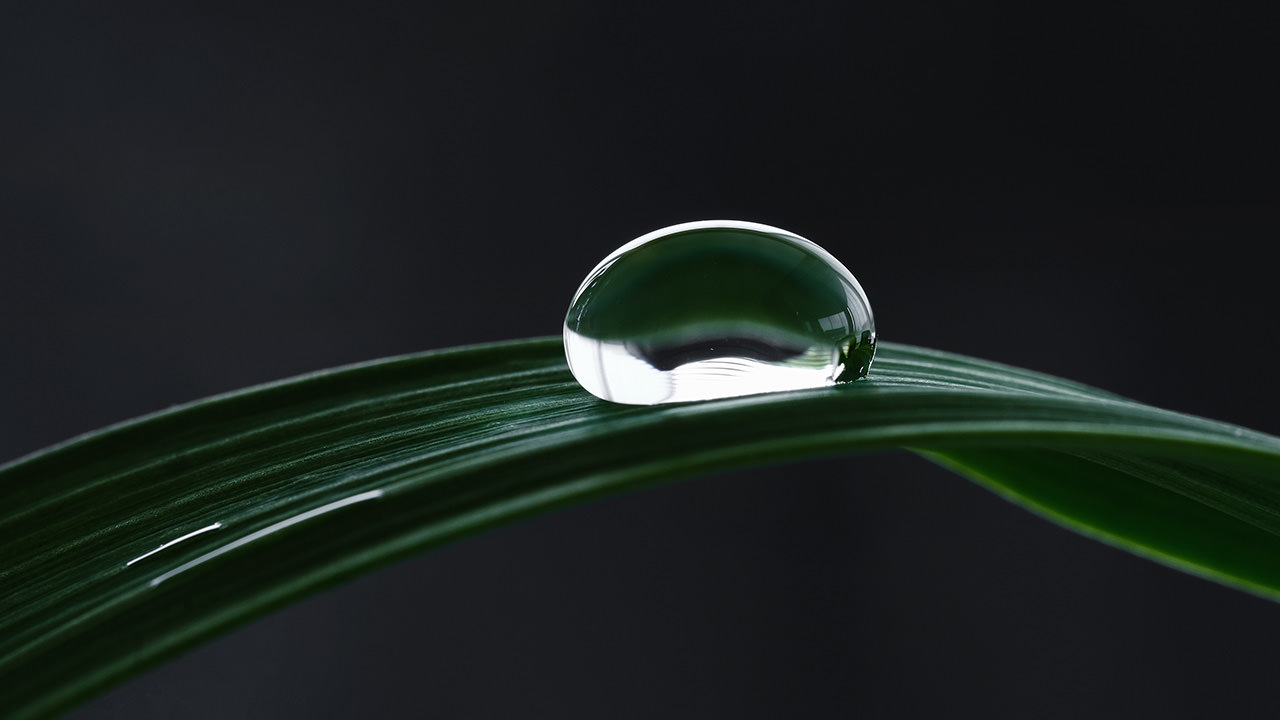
(194, 200)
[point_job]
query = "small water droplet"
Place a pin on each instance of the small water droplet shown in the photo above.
(175, 541)
(263, 532)
(717, 309)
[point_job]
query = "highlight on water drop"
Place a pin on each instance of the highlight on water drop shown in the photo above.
(717, 309)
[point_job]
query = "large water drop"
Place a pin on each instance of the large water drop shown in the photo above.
(717, 309)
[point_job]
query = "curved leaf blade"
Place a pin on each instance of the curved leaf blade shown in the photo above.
(128, 545)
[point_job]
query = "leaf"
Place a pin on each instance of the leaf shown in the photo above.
(126, 546)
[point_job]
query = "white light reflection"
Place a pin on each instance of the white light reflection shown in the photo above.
(372, 494)
(174, 541)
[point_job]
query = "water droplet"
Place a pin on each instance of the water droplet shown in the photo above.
(717, 309)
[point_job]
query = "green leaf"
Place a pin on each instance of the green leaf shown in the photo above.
(126, 546)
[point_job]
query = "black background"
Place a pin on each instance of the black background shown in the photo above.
(195, 200)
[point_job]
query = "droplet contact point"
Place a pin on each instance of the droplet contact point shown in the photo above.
(717, 309)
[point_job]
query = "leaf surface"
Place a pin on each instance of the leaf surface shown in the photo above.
(129, 545)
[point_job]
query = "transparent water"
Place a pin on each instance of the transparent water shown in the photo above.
(717, 309)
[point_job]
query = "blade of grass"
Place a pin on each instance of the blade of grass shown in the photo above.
(128, 545)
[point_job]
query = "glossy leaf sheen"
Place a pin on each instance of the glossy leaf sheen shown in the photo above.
(126, 546)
